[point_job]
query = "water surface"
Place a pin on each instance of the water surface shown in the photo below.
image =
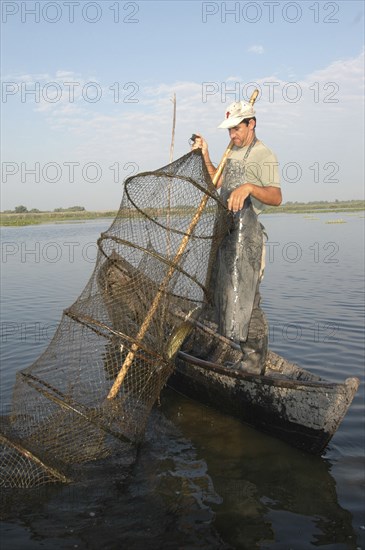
(202, 479)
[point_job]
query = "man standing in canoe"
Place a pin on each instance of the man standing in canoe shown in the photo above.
(250, 180)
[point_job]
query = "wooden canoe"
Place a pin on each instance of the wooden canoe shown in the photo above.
(286, 402)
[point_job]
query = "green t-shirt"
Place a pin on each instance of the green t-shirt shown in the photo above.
(260, 168)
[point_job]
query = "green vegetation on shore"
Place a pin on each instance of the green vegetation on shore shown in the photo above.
(34, 218)
(25, 217)
(317, 207)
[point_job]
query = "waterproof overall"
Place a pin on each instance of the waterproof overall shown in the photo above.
(237, 274)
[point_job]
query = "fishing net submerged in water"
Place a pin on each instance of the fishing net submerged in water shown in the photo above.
(90, 393)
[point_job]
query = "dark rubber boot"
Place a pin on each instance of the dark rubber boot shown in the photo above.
(254, 352)
(254, 349)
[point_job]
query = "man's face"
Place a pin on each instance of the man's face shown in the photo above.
(241, 134)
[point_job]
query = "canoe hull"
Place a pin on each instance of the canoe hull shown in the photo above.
(287, 402)
(305, 414)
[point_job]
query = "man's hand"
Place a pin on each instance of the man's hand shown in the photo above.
(238, 196)
(200, 143)
(267, 195)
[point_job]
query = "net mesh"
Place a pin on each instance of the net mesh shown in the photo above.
(90, 393)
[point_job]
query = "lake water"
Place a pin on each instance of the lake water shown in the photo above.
(202, 479)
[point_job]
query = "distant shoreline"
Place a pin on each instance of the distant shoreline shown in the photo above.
(31, 218)
(321, 207)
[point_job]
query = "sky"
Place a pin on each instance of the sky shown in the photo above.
(87, 91)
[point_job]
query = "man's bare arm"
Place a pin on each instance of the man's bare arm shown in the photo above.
(267, 195)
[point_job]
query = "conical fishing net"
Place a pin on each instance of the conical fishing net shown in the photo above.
(92, 390)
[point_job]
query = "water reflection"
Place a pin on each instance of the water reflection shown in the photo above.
(163, 499)
(249, 491)
(200, 480)
(273, 496)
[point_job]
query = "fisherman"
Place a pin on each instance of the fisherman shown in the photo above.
(250, 180)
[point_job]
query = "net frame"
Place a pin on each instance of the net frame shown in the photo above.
(62, 414)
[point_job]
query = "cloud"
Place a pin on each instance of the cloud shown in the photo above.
(313, 122)
(256, 48)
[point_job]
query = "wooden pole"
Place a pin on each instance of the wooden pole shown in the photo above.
(144, 327)
(168, 216)
(173, 130)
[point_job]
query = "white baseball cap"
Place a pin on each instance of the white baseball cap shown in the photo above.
(236, 112)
